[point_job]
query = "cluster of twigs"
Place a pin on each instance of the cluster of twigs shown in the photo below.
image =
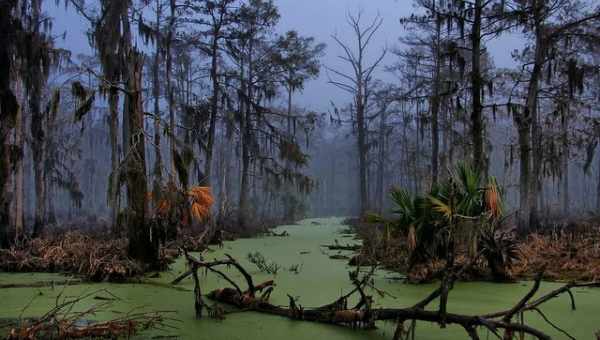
(264, 265)
(193, 241)
(235, 296)
(66, 321)
(566, 256)
(73, 252)
(504, 324)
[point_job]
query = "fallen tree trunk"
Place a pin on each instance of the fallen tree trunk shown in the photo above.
(363, 316)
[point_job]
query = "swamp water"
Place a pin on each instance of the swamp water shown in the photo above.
(320, 280)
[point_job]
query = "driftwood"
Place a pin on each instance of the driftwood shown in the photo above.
(339, 257)
(336, 246)
(504, 324)
(281, 234)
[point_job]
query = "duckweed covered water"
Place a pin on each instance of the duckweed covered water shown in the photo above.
(320, 281)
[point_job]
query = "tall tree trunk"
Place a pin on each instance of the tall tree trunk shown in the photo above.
(157, 130)
(381, 160)
(4, 175)
(156, 94)
(245, 122)
(565, 164)
(362, 146)
(50, 125)
(476, 87)
(245, 184)
(531, 115)
(225, 187)
(170, 98)
(214, 107)
(528, 184)
(143, 246)
(524, 174)
(405, 147)
(114, 182)
(451, 126)
(444, 159)
(38, 152)
(287, 203)
(529, 127)
(416, 178)
(111, 54)
(91, 170)
(51, 210)
(19, 176)
(435, 107)
(8, 112)
(536, 169)
(5, 200)
(37, 131)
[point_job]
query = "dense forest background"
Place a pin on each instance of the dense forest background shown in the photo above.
(189, 93)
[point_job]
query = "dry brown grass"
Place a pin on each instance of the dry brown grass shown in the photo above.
(568, 254)
(565, 255)
(69, 319)
(73, 252)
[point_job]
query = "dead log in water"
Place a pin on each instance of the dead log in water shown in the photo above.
(337, 246)
(362, 315)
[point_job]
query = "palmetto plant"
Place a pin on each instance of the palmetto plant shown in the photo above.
(500, 250)
(453, 211)
(463, 205)
(461, 196)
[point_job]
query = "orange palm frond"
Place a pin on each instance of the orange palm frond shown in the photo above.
(163, 207)
(202, 201)
(493, 200)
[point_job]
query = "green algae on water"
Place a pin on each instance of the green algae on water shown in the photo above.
(318, 280)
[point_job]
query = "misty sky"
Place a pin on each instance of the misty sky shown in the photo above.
(317, 18)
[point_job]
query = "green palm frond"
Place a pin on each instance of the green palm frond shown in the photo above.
(468, 178)
(467, 191)
(403, 200)
(441, 207)
(406, 207)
